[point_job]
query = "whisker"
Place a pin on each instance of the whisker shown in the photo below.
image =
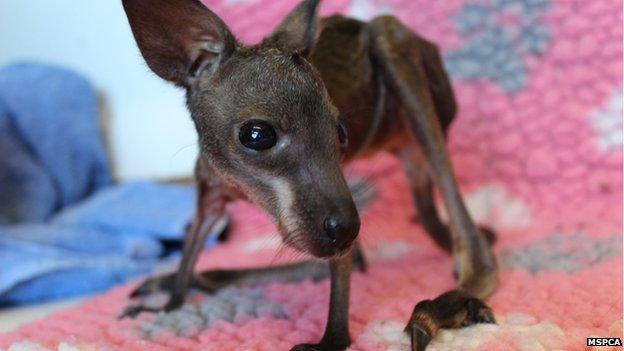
(183, 148)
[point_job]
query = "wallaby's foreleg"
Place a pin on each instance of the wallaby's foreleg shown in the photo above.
(336, 335)
(407, 63)
(212, 280)
(209, 217)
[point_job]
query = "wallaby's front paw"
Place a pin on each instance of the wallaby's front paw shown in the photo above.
(160, 283)
(132, 311)
(156, 294)
(153, 304)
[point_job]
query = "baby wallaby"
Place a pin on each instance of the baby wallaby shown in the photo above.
(277, 120)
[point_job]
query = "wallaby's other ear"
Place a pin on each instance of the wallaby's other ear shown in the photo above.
(297, 32)
(179, 39)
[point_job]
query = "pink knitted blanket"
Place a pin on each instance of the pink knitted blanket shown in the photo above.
(537, 148)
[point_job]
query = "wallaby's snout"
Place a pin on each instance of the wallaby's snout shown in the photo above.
(323, 219)
(334, 235)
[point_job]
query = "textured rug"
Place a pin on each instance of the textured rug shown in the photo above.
(537, 149)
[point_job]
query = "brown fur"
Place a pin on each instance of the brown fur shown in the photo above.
(383, 83)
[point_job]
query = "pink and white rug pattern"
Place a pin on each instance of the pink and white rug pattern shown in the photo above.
(537, 148)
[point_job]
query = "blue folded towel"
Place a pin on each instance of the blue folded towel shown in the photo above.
(114, 235)
(159, 211)
(42, 262)
(55, 155)
(64, 229)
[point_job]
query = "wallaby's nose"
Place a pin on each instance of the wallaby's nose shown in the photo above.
(341, 231)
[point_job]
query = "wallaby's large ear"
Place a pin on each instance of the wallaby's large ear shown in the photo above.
(179, 39)
(297, 32)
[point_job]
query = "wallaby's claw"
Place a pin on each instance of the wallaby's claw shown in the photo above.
(153, 304)
(135, 310)
(153, 292)
(419, 337)
(160, 283)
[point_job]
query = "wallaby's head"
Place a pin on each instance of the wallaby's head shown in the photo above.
(266, 124)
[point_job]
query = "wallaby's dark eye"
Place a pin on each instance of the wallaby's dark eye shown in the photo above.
(342, 135)
(257, 135)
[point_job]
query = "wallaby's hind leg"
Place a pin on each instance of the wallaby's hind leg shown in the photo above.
(422, 192)
(420, 181)
(408, 63)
